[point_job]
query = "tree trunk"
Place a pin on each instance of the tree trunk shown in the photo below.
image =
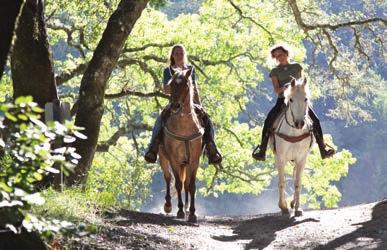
(8, 13)
(31, 65)
(93, 84)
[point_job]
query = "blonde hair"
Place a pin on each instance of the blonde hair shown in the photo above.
(174, 47)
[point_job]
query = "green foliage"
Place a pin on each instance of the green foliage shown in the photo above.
(73, 204)
(28, 154)
(228, 52)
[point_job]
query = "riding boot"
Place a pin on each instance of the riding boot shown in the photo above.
(325, 153)
(267, 127)
(153, 148)
(261, 154)
(213, 155)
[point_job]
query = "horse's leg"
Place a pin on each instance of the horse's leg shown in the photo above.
(192, 190)
(297, 187)
(280, 165)
(187, 188)
(167, 176)
(179, 187)
(186, 203)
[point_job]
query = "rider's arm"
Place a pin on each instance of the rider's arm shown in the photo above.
(166, 78)
(277, 88)
(196, 91)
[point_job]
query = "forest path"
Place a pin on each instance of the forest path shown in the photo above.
(356, 227)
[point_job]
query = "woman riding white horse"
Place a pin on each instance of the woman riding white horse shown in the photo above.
(292, 140)
(280, 75)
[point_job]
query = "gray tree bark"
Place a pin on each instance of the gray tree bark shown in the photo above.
(31, 64)
(8, 15)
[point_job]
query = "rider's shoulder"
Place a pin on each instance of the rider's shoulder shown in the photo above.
(296, 65)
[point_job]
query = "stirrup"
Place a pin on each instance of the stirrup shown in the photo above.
(214, 158)
(260, 155)
(328, 152)
(150, 157)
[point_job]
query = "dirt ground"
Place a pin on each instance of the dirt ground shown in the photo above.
(357, 227)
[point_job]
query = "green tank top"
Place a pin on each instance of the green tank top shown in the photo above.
(284, 73)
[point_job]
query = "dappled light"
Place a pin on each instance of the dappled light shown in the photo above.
(203, 124)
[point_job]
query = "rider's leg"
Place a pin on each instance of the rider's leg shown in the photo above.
(214, 157)
(157, 133)
(318, 134)
(270, 119)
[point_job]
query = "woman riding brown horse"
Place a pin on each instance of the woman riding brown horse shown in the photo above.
(182, 143)
(178, 62)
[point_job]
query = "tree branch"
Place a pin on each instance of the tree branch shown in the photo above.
(307, 27)
(240, 12)
(104, 146)
(127, 92)
(149, 45)
(80, 69)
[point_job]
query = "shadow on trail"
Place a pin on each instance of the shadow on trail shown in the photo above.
(372, 234)
(261, 231)
(127, 217)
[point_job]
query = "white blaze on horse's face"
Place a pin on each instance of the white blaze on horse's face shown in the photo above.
(297, 99)
(180, 86)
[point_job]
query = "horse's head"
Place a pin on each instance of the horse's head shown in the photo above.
(180, 87)
(297, 101)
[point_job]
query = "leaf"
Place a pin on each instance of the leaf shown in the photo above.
(52, 170)
(80, 135)
(10, 116)
(37, 176)
(35, 198)
(68, 139)
(5, 187)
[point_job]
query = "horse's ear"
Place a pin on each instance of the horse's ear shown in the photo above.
(188, 73)
(305, 81)
(293, 82)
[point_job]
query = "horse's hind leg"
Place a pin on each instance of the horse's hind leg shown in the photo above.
(167, 176)
(297, 188)
(179, 187)
(280, 165)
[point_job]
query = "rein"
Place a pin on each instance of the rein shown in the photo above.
(292, 139)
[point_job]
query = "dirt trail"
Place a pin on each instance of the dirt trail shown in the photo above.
(357, 227)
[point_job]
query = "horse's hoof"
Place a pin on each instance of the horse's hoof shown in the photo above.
(192, 218)
(285, 212)
(298, 213)
(167, 209)
(180, 214)
(292, 204)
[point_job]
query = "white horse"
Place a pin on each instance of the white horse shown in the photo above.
(292, 140)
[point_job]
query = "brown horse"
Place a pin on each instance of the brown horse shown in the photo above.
(182, 144)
